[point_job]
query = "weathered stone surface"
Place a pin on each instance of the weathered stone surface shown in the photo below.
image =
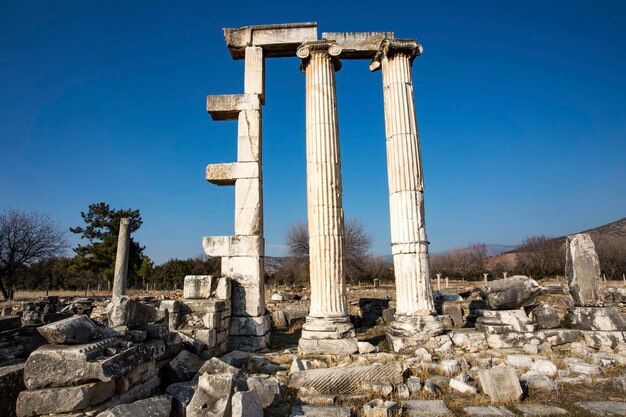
(11, 383)
(500, 384)
(212, 397)
(604, 408)
(519, 361)
(504, 321)
(406, 333)
(597, 318)
(358, 45)
(126, 311)
(138, 392)
(489, 411)
(582, 268)
(366, 347)
(425, 408)
(185, 365)
(346, 380)
(381, 408)
(510, 293)
(228, 106)
(276, 40)
(198, 286)
(77, 329)
(538, 381)
(314, 411)
(9, 323)
(529, 410)
(159, 406)
(181, 393)
(462, 387)
(228, 174)
(469, 339)
(269, 389)
(545, 316)
(63, 400)
(59, 365)
(246, 404)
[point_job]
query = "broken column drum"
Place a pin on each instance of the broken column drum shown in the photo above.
(415, 311)
(121, 258)
(328, 322)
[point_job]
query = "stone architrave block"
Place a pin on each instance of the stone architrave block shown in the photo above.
(254, 72)
(77, 329)
(233, 246)
(64, 399)
(246, 404)
(249, 136)
(227, 107)
(582, 269)
(229, 173)
(213, 396)
(500, 384)
(160, 406)
(277, 40)
(198, 286)
(248, 207)
(358, 45)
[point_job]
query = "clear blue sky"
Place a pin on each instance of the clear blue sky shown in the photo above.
(521, 109)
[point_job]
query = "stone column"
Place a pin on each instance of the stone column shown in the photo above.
(416, 319)
(328, 328)
(121, 258)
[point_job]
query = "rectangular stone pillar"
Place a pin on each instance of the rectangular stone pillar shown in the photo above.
(121, 258)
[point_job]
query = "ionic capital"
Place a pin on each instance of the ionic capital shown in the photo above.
(391, 47)
(328, 48)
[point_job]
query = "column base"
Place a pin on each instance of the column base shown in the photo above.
(407, 333)
(335, 336)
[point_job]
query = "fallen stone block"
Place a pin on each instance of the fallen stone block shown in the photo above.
(126, 311)
(185, 365)
(529, 410)
(246, 404)
(504, 321)
(489, 411)
(366, 347)
(545, 316)
(313, 411)
(138, 392)
(510, 293)
(11, 384)
(519, 361)
(500, 384)
(9, 323)
(63, 400)
(545, 366)
(317, 399)
(270, 390)
(181, 393)
(77, 329)
(538, 381)
(425, 408)
(604, 407)
(160, 406)
(462, 387)
(346, 380)
(597, 318)
(381, 408)
(213, 396)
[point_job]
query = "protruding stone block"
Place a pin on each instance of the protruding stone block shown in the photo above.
(582, 268)
(227, 107)
(77, 329)
(229, 173)
(230, 246)
(276, 40)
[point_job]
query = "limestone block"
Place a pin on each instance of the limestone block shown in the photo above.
(245, 270)
(126, 311)
(504, 321)
(510, 293)
(346, 380)
(213, 396)
(138, 392)
(239, 246)
(247, 300)
(269, 389)
(545, 316)
(488, 411)
(381, 408)
(500, 384)
(227, 107)
(249, 136)
(254, 72)
(181, 393)
(529, 410)
(198, 286)
(246, 404)
(358, 45)
(63, 400)
(77, 329)
(419, 408)
(248, 207)
(519, 361)
(251, 343)
(538, 381)
(276, 40)
(597, 318)
(462, 387)
(11, 383)
(313, 411)
(185, 365)
(604, 407)
(223, 289)
(366, 347)
(203, 306)
(250, 326)
(582, 269)
(9, 323)
(160, 406)
(229, 173)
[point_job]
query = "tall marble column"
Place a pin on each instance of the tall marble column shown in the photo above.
(327, 328)
(121, 258)
(416, 319)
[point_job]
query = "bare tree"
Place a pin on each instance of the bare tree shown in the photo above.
(297, 237)
(26, 238)
(541, 256)
(612, 254)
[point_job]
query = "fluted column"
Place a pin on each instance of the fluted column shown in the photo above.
(328, 316)
(406, 189)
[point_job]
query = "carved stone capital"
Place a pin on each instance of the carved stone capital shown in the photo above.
(391, 47)
(329, 48)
